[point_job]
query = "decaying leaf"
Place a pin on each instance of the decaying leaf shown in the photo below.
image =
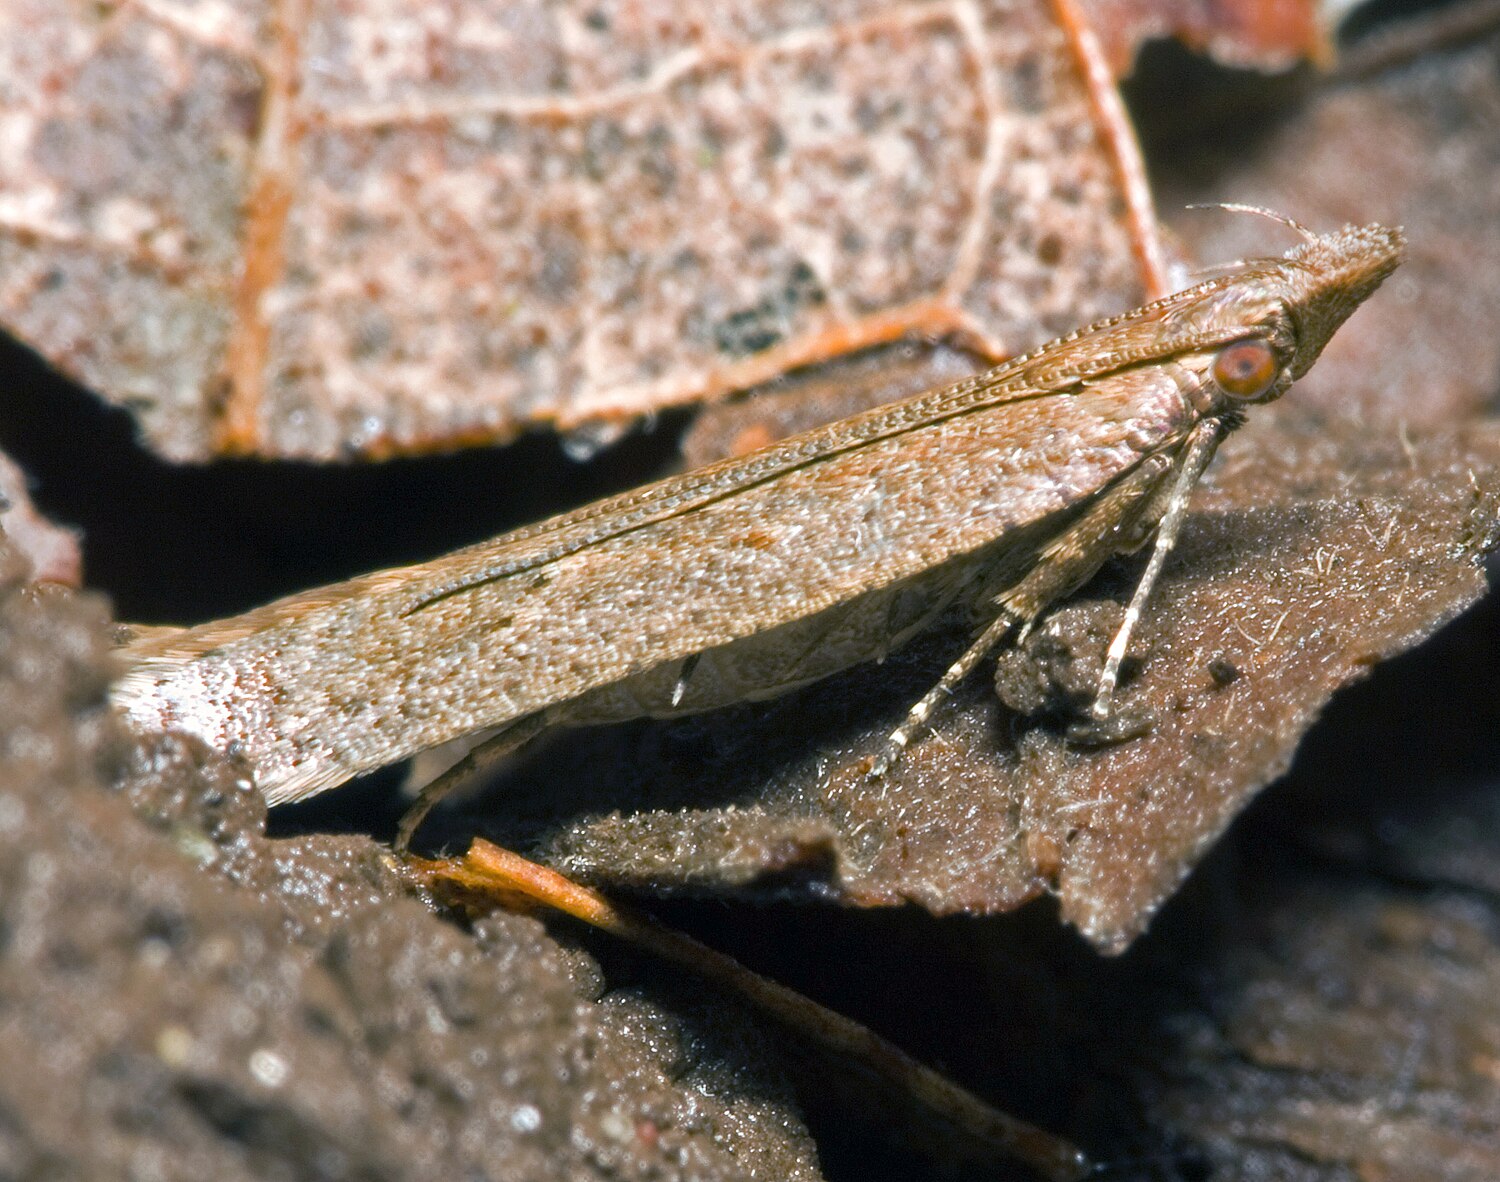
(50, 550)
(322, 230)
(1263, 34)
(1317, 555)
(1354, 1035)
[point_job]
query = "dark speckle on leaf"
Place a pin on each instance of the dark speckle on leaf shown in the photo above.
(751, 330)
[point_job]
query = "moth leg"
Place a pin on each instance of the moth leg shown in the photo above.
(487, 754)
(1064, 565)
(1201, 445)
(917, 716)
(1137, 530)
(679, 690)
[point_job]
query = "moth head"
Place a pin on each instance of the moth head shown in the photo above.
(1282, 312)
(1249, 332)
(1251, 350)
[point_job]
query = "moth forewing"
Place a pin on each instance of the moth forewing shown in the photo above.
(771, 570)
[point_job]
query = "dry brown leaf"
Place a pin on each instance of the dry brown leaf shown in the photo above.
(323, 230)
(51, 550)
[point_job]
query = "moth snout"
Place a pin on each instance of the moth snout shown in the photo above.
(1333, 275)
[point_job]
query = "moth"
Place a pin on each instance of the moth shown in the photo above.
(763, 573)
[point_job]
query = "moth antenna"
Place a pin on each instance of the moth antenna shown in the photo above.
(1240, 207)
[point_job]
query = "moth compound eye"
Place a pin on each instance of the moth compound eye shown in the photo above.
(1246, 369)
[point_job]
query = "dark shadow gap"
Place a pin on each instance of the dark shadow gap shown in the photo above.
(182, 543)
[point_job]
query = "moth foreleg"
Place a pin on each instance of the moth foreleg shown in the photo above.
(916, 717)
(1195, 457)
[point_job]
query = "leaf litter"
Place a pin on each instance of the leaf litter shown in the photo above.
(1343, 529)
(1416, 487)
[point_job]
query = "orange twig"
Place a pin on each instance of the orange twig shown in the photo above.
(488, 872)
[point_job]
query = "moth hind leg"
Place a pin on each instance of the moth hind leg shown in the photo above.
(485, 755)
